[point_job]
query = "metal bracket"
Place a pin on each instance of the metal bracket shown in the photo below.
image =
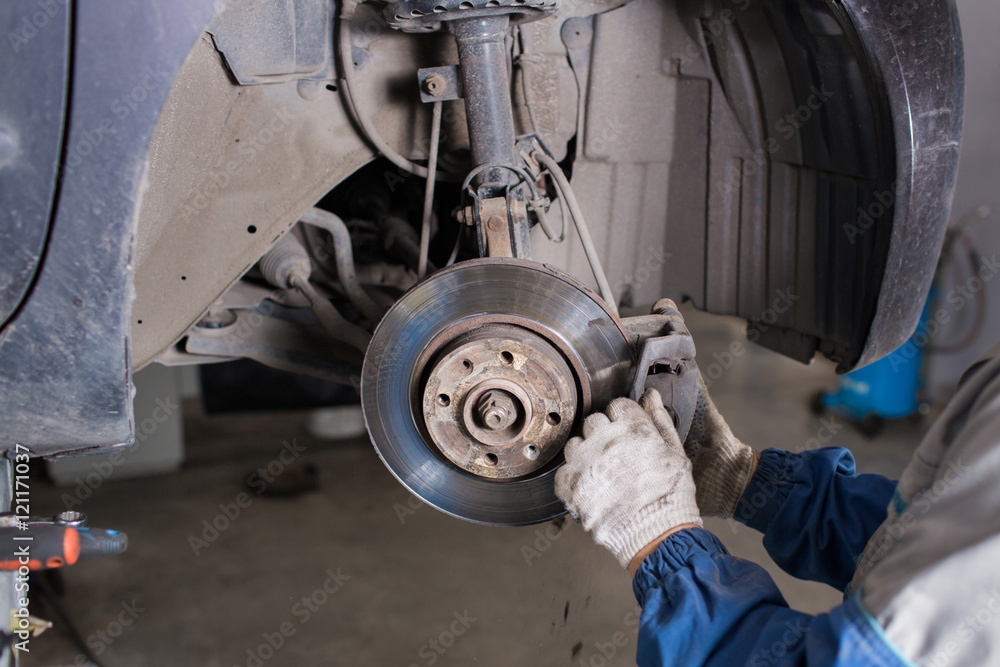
(440, 84)
(495, 227)
(666, 362)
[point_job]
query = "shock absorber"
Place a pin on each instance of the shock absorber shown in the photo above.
(488, 109)
(497, 183)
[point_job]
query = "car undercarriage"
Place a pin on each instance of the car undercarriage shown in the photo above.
(449, 205)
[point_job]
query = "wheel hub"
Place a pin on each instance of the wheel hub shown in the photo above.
(477, 377)
(500, 402)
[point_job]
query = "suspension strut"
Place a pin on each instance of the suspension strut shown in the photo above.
(497, 183)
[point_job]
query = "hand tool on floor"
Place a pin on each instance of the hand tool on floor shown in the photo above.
(43, 543)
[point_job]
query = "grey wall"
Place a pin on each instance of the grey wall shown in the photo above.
(978, 184)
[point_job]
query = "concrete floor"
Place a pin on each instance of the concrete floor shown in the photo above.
(411, 585)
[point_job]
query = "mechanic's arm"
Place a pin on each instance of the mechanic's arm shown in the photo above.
(630, 486)
(815, 512)
(704, 607)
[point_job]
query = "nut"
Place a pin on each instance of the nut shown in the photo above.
(465, 216)
(497, 410)
(435, 85)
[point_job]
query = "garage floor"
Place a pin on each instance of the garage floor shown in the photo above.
(385, 580)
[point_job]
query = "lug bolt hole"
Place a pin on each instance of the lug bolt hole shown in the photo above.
(507, 357)
(444, 400)
(492, 459)
(531, 452)
(467, 365)
(553, 418)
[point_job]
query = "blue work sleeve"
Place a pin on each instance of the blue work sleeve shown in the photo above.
(703, 607)
(815, 512)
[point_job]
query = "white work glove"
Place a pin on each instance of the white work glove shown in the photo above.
(626, 481)
(723, 465)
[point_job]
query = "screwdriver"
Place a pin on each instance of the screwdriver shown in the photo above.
(49, 543)
(38, 547)
(96, 542)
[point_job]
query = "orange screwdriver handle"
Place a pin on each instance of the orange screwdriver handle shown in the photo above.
(40, 547)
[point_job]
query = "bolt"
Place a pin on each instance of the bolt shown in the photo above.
(435, 85)
(664, 307)
(218, 318)
(497, 410)
(494, 224)
(71, 518)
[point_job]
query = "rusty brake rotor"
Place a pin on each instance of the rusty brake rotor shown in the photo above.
(477, 377)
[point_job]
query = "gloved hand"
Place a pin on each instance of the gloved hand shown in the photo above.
(723, 465)
(628, 482)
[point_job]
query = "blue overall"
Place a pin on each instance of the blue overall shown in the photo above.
(702, 606)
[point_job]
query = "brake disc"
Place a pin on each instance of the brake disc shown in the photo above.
(477, 377)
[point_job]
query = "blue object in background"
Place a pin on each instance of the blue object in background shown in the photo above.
(887, 389)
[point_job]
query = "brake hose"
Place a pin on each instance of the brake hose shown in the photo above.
(576, 213)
